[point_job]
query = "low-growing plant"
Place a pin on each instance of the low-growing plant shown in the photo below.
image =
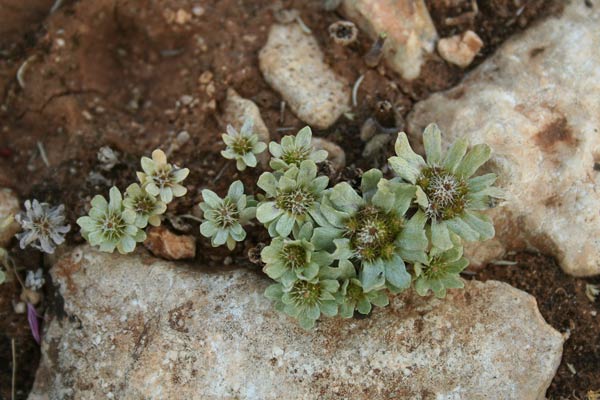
(242, 146)
(43, 226)
(119, 222)
(343, 249)
(333, 250)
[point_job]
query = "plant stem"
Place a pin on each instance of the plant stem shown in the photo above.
(14, 368)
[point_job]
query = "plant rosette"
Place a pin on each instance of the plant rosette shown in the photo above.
(446, 189)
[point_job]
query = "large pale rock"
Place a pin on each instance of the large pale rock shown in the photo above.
(293, 64)
(536, 103)
(139, 328)
(410, 33)
(9, 208)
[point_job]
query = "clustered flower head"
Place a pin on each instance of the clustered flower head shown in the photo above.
(224, 217)
(293, 150)
(344, 249)
(119, 222)
(447, 191)
(161, 178)
(291, 199)
(43, 226)
(242, 146)
(109, 225)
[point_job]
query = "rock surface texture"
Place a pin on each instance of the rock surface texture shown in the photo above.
(9, 205)
(410, 33)
(293, 64)
(536, 103)
(142, 328)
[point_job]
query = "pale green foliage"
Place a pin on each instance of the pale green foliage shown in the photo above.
(119, 222)
(291, 199)
(147, 208)
(224, 217)
(161, 178)
(445, 187)
(344, 249)
(441, 271)
(293, 150)
(109, 225)
(242, 146)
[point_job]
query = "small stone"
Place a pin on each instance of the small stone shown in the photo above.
(186, 99)
(19, 307)
(410, 33)
(368, 129)
(198, 11)
(535, 102)
(9, 207)
(165, 244)
(237, 109)
(336, 155)
(182, 17)
(460, 49)
(205, 77)
(378, 145)
(293, 64)
(182, 333)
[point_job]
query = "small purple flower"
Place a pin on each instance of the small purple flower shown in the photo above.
(42, 226)
(34, 324)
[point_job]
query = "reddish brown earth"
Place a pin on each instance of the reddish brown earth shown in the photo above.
(113, 72)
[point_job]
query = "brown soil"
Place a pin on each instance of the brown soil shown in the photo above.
(113, 72)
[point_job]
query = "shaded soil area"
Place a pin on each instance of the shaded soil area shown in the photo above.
(133, 74)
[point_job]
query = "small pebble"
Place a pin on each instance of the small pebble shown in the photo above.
(460, 49)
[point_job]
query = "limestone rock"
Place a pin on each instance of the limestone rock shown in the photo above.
(336, 154)
(9, 205)
(143, 328)
(237, 109)
(293, 64)
(165, 244)
(535, 102)
(460, 49)
(410, 33)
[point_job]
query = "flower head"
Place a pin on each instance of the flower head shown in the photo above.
(161, 178)
(224, 217)
(305, 300)
(43, 226)
(293, 150)
(109, 225)
(147, 208)
(292, 199)
(446, 190)
(372, 231)
(35, 280)
(242, 146)
(352, 296)
(288, 260)
(441, 271)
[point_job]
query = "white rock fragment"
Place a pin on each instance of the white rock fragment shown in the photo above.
(9, 208)
(460, 49)
(536, 103)
(410, 33)
(214, 336)
(293, 64)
